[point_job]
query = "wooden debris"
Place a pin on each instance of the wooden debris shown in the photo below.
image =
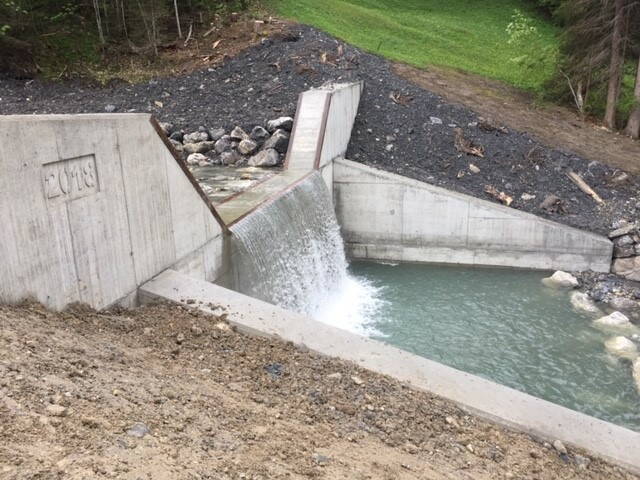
(553, 204)
(501, 196)
(582, 185)
(619, 177)
(210, 31)
(189, 35)
(489, 125)
(466, 146)
(400, 99)
(257, 29)
(215, 44)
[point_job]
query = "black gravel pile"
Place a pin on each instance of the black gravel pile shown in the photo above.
(400, 127)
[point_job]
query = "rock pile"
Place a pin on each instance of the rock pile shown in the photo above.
(626, 251)
(261, 147)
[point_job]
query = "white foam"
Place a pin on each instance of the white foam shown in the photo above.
(353, 306)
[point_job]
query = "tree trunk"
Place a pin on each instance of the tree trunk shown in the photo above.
(633, 125)
(615, 67)
(175, 5)
(96, 7)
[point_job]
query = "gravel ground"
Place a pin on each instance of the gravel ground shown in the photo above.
(165, 393)
(411, 134)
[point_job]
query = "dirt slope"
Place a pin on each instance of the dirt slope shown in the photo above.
(221, 405)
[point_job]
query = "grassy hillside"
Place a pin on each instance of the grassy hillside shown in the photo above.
(466, 34)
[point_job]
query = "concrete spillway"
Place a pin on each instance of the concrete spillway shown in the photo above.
(98, 209)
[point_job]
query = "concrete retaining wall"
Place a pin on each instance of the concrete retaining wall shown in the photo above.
(389, 217)
(92, 206)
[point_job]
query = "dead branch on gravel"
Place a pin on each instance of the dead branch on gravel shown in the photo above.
(400, 99)
(500, 196)
(465, 145)
(582, 185)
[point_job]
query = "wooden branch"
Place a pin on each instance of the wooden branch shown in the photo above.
(582, 185)
(189, 35)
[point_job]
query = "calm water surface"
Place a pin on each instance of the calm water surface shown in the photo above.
(503, 325)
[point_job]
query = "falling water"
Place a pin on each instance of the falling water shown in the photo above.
(291, 254)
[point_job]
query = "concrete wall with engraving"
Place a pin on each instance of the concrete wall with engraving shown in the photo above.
(92, 206)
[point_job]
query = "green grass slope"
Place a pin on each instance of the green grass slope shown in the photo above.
(465, 34)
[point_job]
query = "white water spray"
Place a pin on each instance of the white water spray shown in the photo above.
(291, 254)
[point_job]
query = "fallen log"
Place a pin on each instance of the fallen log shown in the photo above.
(582, 185)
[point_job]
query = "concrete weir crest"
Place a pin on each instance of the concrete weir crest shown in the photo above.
(101, 210)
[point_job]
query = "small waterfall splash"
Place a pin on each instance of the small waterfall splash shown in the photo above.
(290, 253)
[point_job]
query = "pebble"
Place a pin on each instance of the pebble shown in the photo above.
(581, 462)
(179, 338)
(110, 108)
(560, 448)
(320, 459)
(138, 430)
(335, 376)
(357, 380)
(57, 410)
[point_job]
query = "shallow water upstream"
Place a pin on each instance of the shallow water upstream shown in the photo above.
(500, 324)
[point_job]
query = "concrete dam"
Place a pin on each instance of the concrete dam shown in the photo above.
(100, 209)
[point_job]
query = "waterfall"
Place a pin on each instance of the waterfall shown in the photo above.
(289, 252)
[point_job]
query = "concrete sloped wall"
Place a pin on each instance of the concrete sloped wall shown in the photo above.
(92, 206)
(339, 123)
(389, 217)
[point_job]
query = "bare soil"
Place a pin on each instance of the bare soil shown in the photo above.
(222, 405)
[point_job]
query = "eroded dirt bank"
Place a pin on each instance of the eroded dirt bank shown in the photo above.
(165, 393)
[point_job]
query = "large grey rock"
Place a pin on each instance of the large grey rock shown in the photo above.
(265, 158)
(224, 144)
(284, 123)
(167, 128)
(627, 268)
(238, 134)
(216, 134)
(230, 157)
(177, 145)
(622, 347)
(178, 136)
(582, 303)
(196, 137)
(623, 241)
(247, 147)
(201, 147)
(278, 141)
(624, 252)
(616, 319)
(627, 305)
(561, 279)
(259, 135)
(624, 230)
(197, 159)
